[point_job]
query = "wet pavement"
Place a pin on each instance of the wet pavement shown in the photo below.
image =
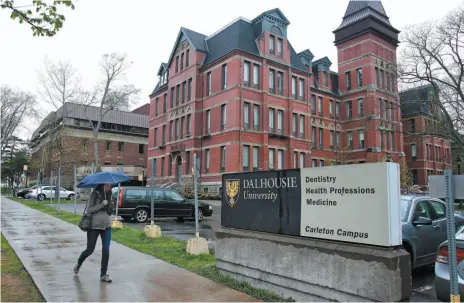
(182, 230)
(49, 247)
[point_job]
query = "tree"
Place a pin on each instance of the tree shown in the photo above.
(433, 53)
(108, 95)
(406, 180)
(342, 156)
(44, 19)
(12, 169)
(15, 106)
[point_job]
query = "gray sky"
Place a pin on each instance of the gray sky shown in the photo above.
(146, 30)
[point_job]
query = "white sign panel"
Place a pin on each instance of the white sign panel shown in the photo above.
(437, 186)
(357, 203)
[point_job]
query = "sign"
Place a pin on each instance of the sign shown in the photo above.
(262, 201)
(437, 186)
(355, 203)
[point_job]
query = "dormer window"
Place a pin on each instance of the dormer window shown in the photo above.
(279, 47)
(326, 79)
(271, 44)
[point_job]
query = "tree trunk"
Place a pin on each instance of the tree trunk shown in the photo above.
(95, 153)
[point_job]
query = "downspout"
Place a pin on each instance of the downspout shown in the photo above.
(240, 162)
(201, 132)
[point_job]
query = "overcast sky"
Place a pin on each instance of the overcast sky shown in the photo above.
(146, 30)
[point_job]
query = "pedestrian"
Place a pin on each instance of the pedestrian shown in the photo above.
(100, 208)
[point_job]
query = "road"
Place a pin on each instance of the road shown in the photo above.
(423, 290)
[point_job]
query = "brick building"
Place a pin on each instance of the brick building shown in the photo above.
(243, 99)
(427, 153)
(123, 139)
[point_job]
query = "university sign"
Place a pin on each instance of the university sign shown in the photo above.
(351, 203)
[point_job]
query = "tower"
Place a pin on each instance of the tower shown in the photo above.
(366, 44)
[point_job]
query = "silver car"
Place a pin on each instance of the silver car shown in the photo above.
(442, 275)
(424, 227)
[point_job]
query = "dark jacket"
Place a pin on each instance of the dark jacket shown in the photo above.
(101, 214)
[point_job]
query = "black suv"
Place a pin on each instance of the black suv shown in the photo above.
(135, 202)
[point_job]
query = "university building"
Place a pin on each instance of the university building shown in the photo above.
(243, 99)
(427, 153)
(65, 139)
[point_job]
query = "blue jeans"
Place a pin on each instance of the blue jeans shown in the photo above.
(92, 237)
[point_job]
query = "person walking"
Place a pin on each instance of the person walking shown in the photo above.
(100, 208)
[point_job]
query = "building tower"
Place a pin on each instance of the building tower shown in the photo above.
(367, 43)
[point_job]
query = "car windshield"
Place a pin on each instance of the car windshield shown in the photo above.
(405, 205)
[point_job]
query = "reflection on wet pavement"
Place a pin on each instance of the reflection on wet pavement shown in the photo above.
(49, 247)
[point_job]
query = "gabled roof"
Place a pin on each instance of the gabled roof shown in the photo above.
(324, 61)
(273, 14)
(164, 66)
(358, 10)
(306, 52)
(196, 39)
(416, 101)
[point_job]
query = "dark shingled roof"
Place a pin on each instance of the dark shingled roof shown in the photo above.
(358, 10)
(414, 102)
(197, 39)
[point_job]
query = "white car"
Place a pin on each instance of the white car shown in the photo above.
(45, 192)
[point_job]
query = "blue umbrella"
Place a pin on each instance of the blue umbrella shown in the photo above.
(93, 180)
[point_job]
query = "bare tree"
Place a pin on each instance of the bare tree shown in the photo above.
(433, 53)
(15, 106)
(108, 95)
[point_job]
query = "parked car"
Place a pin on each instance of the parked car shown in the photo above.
(45, 192)
(442, 274)
(22, 192)
(424, 227)
(135, 202)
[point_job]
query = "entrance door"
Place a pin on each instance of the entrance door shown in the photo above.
(178, 168)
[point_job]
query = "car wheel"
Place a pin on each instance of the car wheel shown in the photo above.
(141, 215)
(126, 218)
(41, 197)
(71, 197)
(200, 215)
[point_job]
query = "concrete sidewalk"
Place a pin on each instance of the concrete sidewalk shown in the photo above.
(49, 247)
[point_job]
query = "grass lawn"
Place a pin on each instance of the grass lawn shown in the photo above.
(16, 283)
(170, 250)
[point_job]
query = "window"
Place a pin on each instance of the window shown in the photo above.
(173, 196)
(137, 194)
(350, 140)
(246, 74)
(377, 77)
(172, 97)
(223, 159)
(208, 84)
(206, 160)
(256, 117)
(360, 108)
(188, 124)
(177, 94)
(187, 58)
(321, 138)
(182, 61)
(321, 163)
(108, 143)
(295, 159)
(439, 210)
(208, 121)
(271, 81)
(271, 120)
(320, 106)
(331, 109)
(163, 135)
(120, 146)
(412, 126)
(177, 129)
(302, 160)
(223, 117)
(422, 210)
(224, 76)
(294, 117)
(388, 81)
(170, 165)
(165, 103)
(177, 64)
(271, 158)
(337, 139)
(381, 140)
(413, 152)
(255, 158)
(302, 119)
(271, 44)
(184, 91)
(313, 136)
(187, 163)
(361, 138)
(314, 163)
(256, 76)
(301, 90)
(182, 127)
(246, 158)
(294, 87)
(279, 47)
(382, 78)
(326, 79)
(280, 159)
(337, 110)
(280, 83)
(392, 83)
(359, 77)
(246, 115)
(385, 114)
(162, 167)
(155, 137)
(380, 108)
(348, 80)
(349, 110)
(393, 141)
(280, 122)
(332, 138)
(156, 107)
(313, 104)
